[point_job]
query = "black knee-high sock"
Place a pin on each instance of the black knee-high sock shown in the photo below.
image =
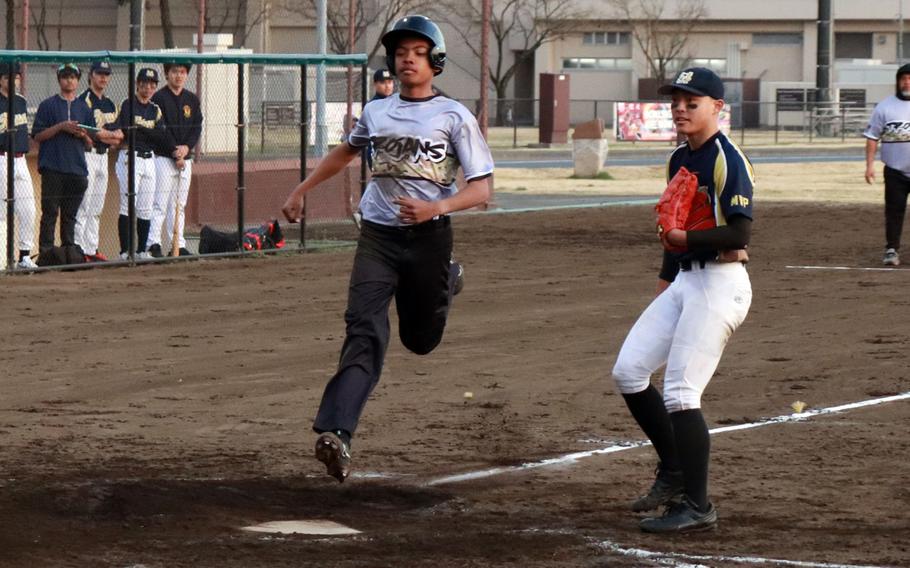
(123, 231)
(694, 446)
(648, 409)
(143, 227)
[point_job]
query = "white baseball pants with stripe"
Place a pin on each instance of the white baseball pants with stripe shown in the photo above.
(685, 328)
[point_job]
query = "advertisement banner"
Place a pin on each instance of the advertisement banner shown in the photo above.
(651, 122)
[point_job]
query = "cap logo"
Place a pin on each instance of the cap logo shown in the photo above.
(684, 78)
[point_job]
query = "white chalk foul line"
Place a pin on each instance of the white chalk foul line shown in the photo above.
(859, 268)
(668, 558)
(621, 447)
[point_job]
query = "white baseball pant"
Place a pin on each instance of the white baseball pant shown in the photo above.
(173, 190)
(88, 218)
(24, 209)
(145, 185)
(685, 328)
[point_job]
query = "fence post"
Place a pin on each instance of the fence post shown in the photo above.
(776, 121)
(304, 144)
(10, 165)
(131, 165)
(742, 124)
(843, 124)
(262, 128)
(241, 157)
(811, 123)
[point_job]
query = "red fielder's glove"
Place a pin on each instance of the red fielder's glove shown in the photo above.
(674, 205)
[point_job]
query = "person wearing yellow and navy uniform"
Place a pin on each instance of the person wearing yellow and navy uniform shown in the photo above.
(104, 110)
(23, 189)
(174, 161)
(149, 134)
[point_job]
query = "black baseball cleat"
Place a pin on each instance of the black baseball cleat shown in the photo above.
(155, 251)
(667, 487)
(682, 516)
(458, 270)
(184, 252)
(334, 453)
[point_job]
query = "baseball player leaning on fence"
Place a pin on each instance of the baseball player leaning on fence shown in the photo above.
(890, 125)
(150, 134)
(174, 161)
(24, 192)
(404, 252)
(88, 220)
(704, 294)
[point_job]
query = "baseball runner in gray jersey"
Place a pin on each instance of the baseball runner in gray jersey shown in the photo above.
(419, 140)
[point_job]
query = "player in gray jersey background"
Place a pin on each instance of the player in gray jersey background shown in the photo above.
(419, 140)
(890, 125)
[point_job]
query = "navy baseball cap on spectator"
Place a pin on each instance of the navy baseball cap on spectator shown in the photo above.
(102, 67)
(698, 81)
(5, 66)
(147, 75)
(69, 69)
(382, 75)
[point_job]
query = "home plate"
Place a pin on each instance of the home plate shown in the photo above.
(302, 527)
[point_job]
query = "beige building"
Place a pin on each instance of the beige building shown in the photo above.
(773, 41)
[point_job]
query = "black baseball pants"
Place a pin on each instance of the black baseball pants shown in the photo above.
(59, 192)
(411, 264)
(897, 188)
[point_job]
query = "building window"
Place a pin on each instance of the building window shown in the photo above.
(719, 66)
(853, 46)
(777, 39)
(598, 63)
(605, 38)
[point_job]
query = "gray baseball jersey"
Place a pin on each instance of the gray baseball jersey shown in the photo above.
(417, 148)
(890, 124)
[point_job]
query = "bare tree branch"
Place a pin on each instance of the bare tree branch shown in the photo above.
(525, 24)
(380, 14)
(39, 22)
(11, 24)
(661, 39)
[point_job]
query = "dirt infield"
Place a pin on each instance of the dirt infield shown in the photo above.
(147, 414)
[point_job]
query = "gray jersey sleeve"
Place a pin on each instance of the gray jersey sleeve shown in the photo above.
(876, 123)
(471, 149)
(360, 134)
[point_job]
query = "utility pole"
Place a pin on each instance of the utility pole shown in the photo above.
(483, 116)
(900, 32)
(322, 144)
(823, 63)
(137, 27)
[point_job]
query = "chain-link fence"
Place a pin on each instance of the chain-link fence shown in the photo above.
(751, 122)
(206, 160)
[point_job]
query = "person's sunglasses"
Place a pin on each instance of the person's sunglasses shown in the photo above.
(68, 68)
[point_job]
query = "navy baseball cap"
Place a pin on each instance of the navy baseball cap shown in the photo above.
(698, 81)
(147, 75)
(5, 66)
(102, 67)
(382, 75)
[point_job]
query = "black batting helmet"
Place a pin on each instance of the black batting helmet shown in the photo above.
(416, 26)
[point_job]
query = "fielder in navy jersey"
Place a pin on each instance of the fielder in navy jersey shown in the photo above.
(704, 294)
(419, 140)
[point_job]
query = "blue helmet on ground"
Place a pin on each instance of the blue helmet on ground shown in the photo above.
(416, 26)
